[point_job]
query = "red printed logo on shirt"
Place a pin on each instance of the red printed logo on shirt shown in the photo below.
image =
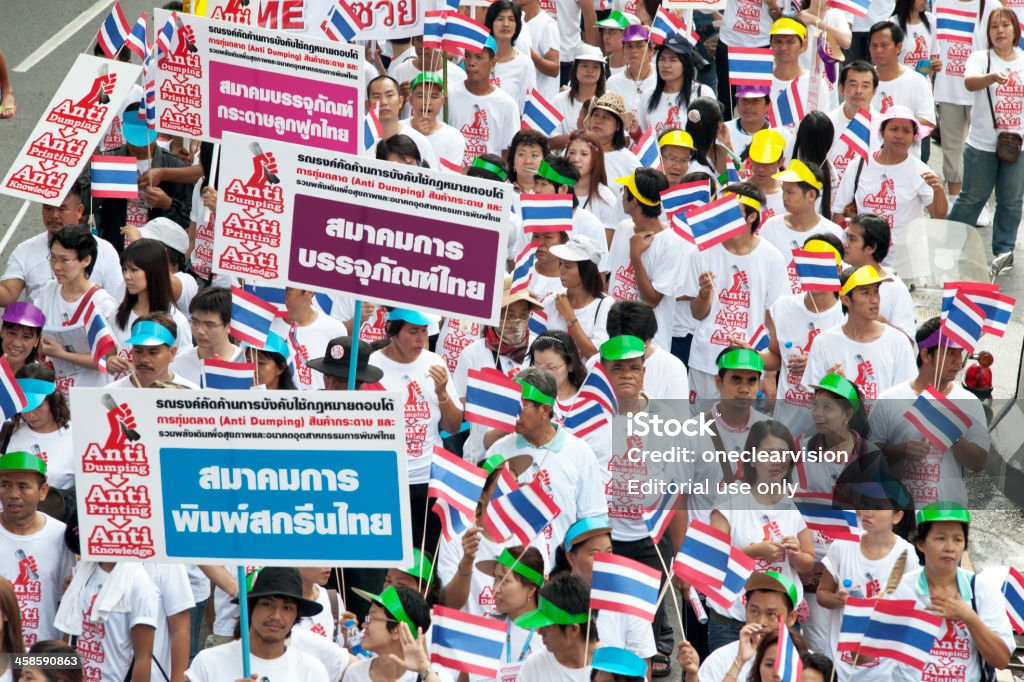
(477, 135)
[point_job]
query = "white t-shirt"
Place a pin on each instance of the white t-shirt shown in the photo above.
(719, 662)
(949, 82)
(515, 77)
(28, 262)
(668, 113)
(72, 337)
(175, 596)
(592, 318)
(606, 206)
(542, 666)
(332, 657)
(477, 356)
(746, 288)
(189, 365)
(447, 143)
(633, 91)
(544, 37)
(309, 342)
(897, 306)
(746, 24)
(626, 632)
(224, 662)
(570, 109)
(55, 448)
(919, 43)
(909, 89)
(840, 155)
(874, 366)
(36, 566)
(567, 14)
(322, 624)
(126, 382)
(878, 10)
(189, 289)
(777, 232)
(487, 122)
(422, 411)
(454, 337)
(939, 476)
(1007, 99)
(665, 376)
(360, 672)
(619, 164)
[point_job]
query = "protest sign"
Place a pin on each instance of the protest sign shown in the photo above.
(233, 11)
(393, 234)
(62, 142)
(378, 19)
(222, 77)
(282, 478)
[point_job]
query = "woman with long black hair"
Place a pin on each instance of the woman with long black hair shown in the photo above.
(814, 137)
(664, 106)
(513, 70)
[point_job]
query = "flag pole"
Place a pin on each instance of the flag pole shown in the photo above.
(243, 621)
(671, 589)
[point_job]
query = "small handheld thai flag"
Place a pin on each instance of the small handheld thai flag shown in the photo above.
(817, 271)
(455, 481)
(838, 524)
(523, 270)
(646, 149)
(598, 386)
(938, 418)
(115, 177)
(148, 103)
(750, 66)
(788, 107)
(522, 513)
(788, 663)
(902, 633)
(684, 196)
(505, 485)
(964, 322)
(540, 114)
(373, 131)
(708, 561)
(272, 295)
(714, 223)
(538, 322)
(463, 33)
(858, 8)
(138, 39)
(493, 400)
(856, 614)
(623, 585)
(433, 28)
(665, 26)
(760, 339)
(228, 376)
(466, 643)
(857, 135)
(1013, 590)
(585, 417)
(12, 398)
(341, 24)
(452, 522)
(659, 518)
(251, 317)
(954, 24)
(100, 337)
(997, 307)
(113, 31)
(165, 37)
(546, 212)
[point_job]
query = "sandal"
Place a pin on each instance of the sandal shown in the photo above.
(661, 665)
(8, 110)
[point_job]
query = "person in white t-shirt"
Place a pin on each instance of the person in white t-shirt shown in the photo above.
(21, 330)
(210, 317)
(866, 242)
(664, 105)
(561, 618)
(153, 349)
(586, 82)
(544, 47)
(665, 376)
(639, 75)
(175, 240)
(275, 605)
(43, 427)
(676, 149)
(582, 310)
(513, 72)
(383, 91)
(858, 82)
(898, 85)
(427, 97)
(173, 620)
(611, 28)
(307, 331)
(752, 102)
(486, 116)
(608, 119)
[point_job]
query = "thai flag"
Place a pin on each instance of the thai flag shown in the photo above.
(538, 321)
(858, 8)
(900, 632)
(341, 24)
(708, 561)
(272, 295)
(546, 212)
(622, 585)
(646, 149)
(148, 103)
(493, 400)
(963, 322)
(113, 31)
(539, 114)
(138, 39)
(115, 177)
(584, 418)
(522, 513)
(857, 135)
(817, 271)
(838, 524)
(788, 107)
(760, 339)
(12, 398)
(1013, 590)
(452, 523)
(467, 643)
(997, 307)
(750, 66)
(788, 663)
(659, 518)
(714, 223)
(433, 28)
(463, 33)
(251, 317)
(506, 484)
(665, 26)
(938, 418)
(165, 37)
(598, 386)
(856, 614)
(99, 336)
(683, 196)
(455, 481)
(228, 376)
(373, 131)
(955, 25)
(523, 270)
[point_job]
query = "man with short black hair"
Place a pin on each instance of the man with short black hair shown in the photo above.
(898, 84)
(485, 115)
(858, 82)
(384, 93)
(210, 314)
(665, 375)
(866, 242)
(561, 620)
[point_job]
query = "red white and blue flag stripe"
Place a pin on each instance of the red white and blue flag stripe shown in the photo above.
(165, 37)
(665, 25)
(463, 33)
(505, 485)
(341, 24)
(856, 614)
(148, 102)
(540, 114)
(113, 31)
(750, 66)
(659, 518)
(493, 400)
(954, 24)
(585, 417)
(373, 131)
(538, 321)
(12, 398)
(623, 585)
(788, 107)
(138, 39)
(708, 561)
(598, 386)
(760, 339)
(964, 322)
(1013, 590)
(817, 271)
(115, 177)
(788, 664)
(99, 336)
(857, 135)
(838, 524)
(433, 28)
(274, 296)
(251, 317)
(546, 212)
(714, 223)
(522, 513)
(228, 376)
(684, 196)
(858, 8)
(466, 643)
(646, 149)
(996, 306)
(452, 522)
(523, 270)
(455, 481)
(938, 418)
(902, 633)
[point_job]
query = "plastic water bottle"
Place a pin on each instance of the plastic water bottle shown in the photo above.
(761, 402)
(848, 586)
(354, 639)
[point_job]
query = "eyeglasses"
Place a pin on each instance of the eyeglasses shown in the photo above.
(550, 369)
(62, 260)
(206, 326)
(671, 158)
(370, 618)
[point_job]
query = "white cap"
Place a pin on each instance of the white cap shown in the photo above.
(590, 53)
(167, 232)
(578, 248)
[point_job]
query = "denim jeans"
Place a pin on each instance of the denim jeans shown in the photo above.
(988, 173)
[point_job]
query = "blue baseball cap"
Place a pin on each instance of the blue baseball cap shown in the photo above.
(585, 529)
(411, 316)
(616, 661)
(491, 44)
(35, 391)
(136, 130)
(149, 333)
(275, 344)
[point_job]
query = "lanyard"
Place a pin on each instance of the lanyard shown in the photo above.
(508, 645)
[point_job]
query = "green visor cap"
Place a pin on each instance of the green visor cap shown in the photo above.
(488, 166)
(421, 567)
(741, 358)
(772, 581)
(23, 461)
(391, 603)
(936, 511)
(548, 173)
(428, 77)
(841, 386)
(549, 614)
(615, 19)
(623, 347)
(531, 392)
(508, 561)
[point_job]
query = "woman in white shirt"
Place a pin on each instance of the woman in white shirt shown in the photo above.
(665, 105)
(586, 82)
(20, 333)
(582, 310)
(514, 72)
(920, 49)
(592, 190)
(608, 121)
(703, 119)
(44, 426)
